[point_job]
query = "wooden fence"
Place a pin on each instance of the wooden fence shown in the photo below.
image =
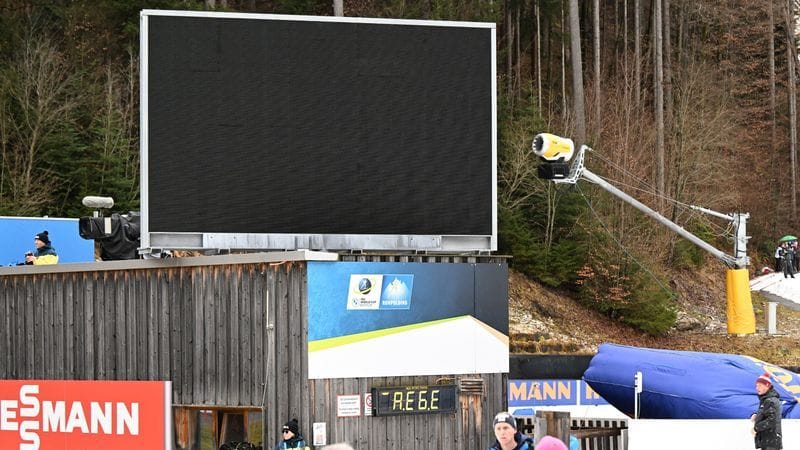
(593, 434)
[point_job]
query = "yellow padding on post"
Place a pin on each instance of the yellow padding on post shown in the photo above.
(741, 318)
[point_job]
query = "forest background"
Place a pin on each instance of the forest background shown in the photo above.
(683, 102)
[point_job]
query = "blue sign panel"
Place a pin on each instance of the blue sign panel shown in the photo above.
(396, 319)
(16, 237)
(531, 393)
(378, 291)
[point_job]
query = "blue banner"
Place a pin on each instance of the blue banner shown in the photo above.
(532, 393)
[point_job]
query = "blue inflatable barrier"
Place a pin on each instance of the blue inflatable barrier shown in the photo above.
(687, 385)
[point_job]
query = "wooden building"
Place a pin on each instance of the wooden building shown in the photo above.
(231, 333)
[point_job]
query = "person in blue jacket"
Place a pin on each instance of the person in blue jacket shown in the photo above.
(44, 254)
(508, 437)
(291, 436)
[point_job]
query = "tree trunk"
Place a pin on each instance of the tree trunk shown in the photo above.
(790, 56)
(597, 108)
(658, 90)
(564, 109)
(667, 62)
(538, 57)
(518, 53)
(625, 36)
(775, 164)
(577, 72)
(637, 50)
(509, 52)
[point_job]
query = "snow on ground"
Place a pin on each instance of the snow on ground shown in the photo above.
(775, 287)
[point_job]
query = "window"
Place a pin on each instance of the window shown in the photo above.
(210, 428)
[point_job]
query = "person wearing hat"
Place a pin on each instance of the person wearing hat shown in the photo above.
(508, 437)
(291, 436)
(767, 420)
(44, 254)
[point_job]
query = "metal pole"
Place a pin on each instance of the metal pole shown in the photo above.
(772, 318)
(727, 259)
(637, 391)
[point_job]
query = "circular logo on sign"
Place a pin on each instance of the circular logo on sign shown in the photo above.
(364, 286)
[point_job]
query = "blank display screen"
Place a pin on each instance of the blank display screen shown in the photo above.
(283, 126)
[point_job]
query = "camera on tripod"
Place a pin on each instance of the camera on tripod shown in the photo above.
(117, 235)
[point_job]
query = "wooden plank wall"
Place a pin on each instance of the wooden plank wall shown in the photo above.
(469, 428)
(225, 335)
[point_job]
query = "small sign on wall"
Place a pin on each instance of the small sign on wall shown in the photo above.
(348, 405)
(367, 404)
(320, 430)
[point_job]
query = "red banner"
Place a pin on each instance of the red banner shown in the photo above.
(84, 415)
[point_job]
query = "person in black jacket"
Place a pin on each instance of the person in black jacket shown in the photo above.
(788, 255)
(291, 437)
(767, 420)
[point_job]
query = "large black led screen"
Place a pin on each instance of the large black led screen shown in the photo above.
(269, 125)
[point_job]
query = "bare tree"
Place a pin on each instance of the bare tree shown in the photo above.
(518, 49)
(791, 67)
(538, 56)
(578, 101)
(637, 50)
(658, 88)
(509, 50)
(597, 107)
(564, 109)
(36, 85)
(772, 99)
(667, 62)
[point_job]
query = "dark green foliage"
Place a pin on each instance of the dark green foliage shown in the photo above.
(538, 221)
(651, 308)
(555, 265)
(686, 255)
(619, 287)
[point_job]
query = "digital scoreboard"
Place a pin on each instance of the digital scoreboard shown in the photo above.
(390, 401)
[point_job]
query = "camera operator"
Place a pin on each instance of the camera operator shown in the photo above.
(44, 254)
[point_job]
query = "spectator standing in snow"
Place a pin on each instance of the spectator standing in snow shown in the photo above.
(788, 256)
(767, 420)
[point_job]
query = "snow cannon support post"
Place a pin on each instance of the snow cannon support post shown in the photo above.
(741, 319)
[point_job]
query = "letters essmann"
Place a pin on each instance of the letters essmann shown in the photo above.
(29, 415)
